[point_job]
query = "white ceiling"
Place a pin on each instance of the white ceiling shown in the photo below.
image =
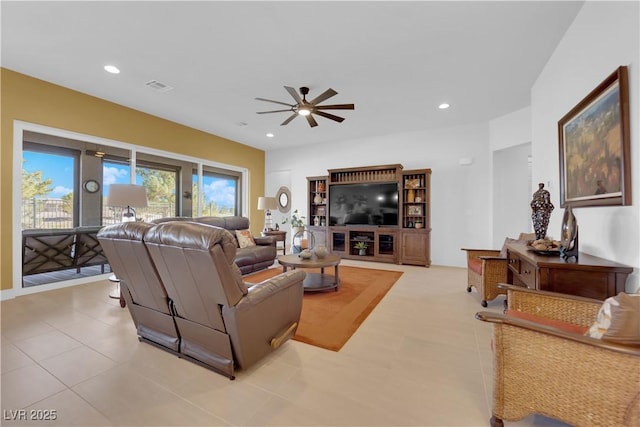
(396, 61)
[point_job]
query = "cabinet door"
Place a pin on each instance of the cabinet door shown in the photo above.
(339, 242)
(415, 248)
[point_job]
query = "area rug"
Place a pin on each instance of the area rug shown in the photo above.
(330, 318)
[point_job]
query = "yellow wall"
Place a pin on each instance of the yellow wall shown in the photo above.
(36, 101)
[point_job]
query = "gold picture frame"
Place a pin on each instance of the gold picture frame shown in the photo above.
(594, 146)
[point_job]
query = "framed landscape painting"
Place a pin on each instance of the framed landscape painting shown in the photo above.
(594, 147)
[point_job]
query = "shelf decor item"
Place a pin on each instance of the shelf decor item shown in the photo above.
(410, 195)
(595, 168)
(414, 210)
(412, 183)
(361, 247)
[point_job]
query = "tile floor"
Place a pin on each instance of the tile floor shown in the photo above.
(420, 359)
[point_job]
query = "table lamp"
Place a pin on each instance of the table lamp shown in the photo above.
(129, 196)
(266, 204)
(125, 195)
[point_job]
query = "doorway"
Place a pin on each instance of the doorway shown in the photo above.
(512, 192)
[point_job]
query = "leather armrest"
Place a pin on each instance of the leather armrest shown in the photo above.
(270, 311)
(265, 240)
(266, 288)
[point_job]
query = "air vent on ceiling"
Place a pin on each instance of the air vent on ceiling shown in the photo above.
(159, 86)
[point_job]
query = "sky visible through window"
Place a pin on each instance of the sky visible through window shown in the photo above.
(59, 169)
(55, 167)
(219, 190)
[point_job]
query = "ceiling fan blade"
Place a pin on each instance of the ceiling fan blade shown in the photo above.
(329, 116)
(323, 96)
(291, 117)
(336, 107)
(274, 111)
(312, 121)
(275, 102)
(294, 94)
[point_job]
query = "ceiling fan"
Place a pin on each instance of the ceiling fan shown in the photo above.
(302, 107)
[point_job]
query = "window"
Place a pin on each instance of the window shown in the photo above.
(220, 195)
(49, 184)
(160, 181)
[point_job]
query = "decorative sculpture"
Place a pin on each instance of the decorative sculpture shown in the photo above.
(569, 235)
(541, 208)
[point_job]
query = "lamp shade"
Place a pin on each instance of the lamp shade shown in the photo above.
(267, 203)
(126, 195)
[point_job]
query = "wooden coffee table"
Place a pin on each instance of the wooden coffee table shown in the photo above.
(314, 281)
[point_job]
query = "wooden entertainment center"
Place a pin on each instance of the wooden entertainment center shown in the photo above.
(403, 239)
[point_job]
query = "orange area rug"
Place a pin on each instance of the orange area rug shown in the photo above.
(329, 318)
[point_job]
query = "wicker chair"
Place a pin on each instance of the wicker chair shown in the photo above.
(545, 370)
(488, 267)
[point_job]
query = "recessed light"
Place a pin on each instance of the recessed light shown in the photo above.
(443, 106)
(270, 135)
(111, 69)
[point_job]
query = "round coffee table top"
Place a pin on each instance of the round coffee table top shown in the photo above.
(314, 262)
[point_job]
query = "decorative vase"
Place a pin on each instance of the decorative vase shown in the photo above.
(569, 234)
(541, 208)
(320, 250)
(362, 251)
(316, 221)
(318, 199)
(410, 195)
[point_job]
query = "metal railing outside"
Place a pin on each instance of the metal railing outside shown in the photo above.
(47, 213)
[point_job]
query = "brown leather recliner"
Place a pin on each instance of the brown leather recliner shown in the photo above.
(140, 284)
(249, 259)
(223, 324)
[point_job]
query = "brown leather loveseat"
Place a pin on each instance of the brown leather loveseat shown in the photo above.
(249, 259)
(185, 271)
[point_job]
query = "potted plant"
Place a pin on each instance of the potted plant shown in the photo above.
(361, 247)
(296, 221)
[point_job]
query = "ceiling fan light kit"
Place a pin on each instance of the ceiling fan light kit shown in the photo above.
(305, 108)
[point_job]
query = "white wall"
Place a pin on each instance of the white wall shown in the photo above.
(510, 130)
(460, 197)
(603, 36)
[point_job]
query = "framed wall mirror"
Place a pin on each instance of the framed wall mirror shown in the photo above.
(283, 196)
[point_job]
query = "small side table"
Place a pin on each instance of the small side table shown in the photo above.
(280, 236)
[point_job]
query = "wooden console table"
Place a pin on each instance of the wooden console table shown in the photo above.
(588, 276)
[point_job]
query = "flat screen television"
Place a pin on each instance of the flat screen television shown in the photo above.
(363, 204)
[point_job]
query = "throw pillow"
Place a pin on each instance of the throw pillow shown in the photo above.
(245, 239)
(603, 319)
(625, 320)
